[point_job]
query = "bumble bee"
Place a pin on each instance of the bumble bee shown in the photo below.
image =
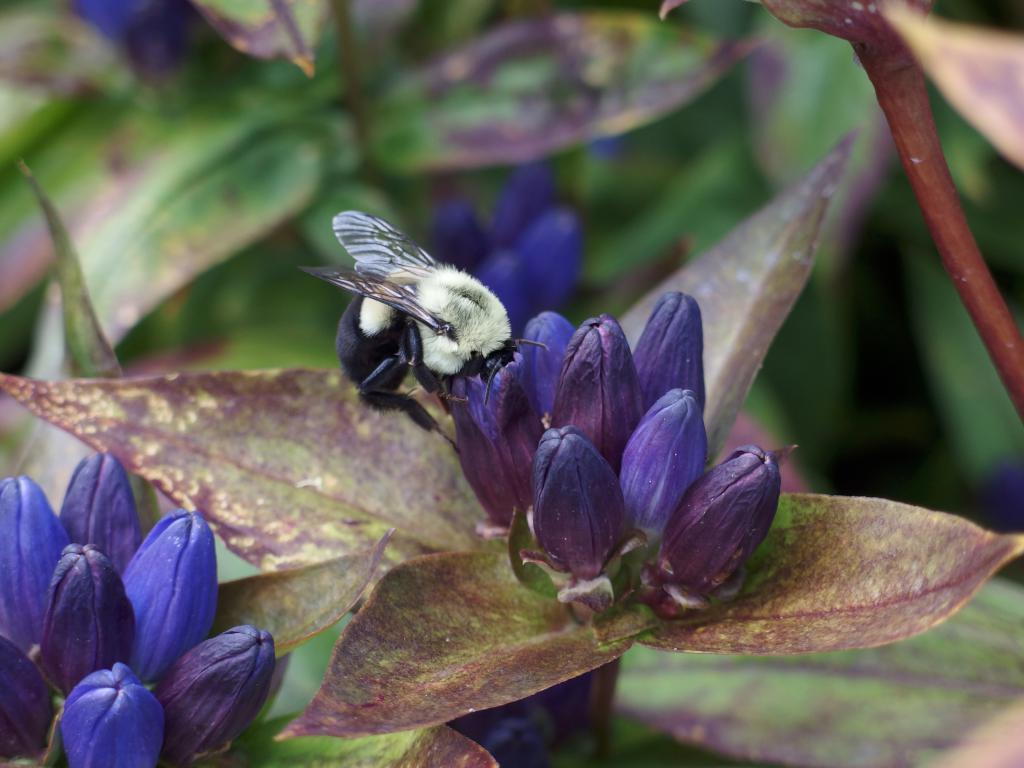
(410, 311)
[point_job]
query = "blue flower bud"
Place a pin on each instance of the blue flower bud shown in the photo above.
(25, 709)
(214, 691)
(670, 353)
(721, 520)
(541, 365)
(89, 623)
(112, 721)
(516, 742)
(99, 509)
(528, 192)
(172, 583)
(598, 389)
(497, 440)
(504, 274)
(663, 457)
(457, 235)
(551, 251)
(578, 510)
(31, 540)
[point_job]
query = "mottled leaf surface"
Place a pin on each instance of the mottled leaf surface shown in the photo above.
(288, 466)
(297, 604)
(269, 29)
(877, 708)
(530, 88)
(980, 72)
(444, 635)
(426, 748)
(839, 572)
(746, 286)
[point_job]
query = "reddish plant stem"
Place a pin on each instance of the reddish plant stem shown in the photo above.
(903, 95)
(602, 696)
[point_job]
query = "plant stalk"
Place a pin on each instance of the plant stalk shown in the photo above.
(903, 95)
(352, 77)
(602, 696)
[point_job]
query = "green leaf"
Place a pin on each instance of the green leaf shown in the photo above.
(425, 748)
(746, 286)
(444, 635)
(897, 705)
(530, 88)
(269, 29)
(838, 573)
(289, 467)
(89, 353)
(297, 604)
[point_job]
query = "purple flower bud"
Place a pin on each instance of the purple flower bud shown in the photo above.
(172, 583)
(528, 192)
(457, 235)
(598, 389)
(99, 509)
(112, 721)
(663, 457)
(31, 541)
(721, 520)
(497, 440)
(89, 622)
(670, 353)
(578, 510)
(551, 250)
(214, 691)
(504, 274)
(541, 365)
(25, 709)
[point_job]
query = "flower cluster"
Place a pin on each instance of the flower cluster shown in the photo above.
(153, 34)
(606, 448)
(104, 613)
(530, 256)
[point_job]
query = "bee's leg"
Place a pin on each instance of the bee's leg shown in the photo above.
(412, 351)
(387, 375)
(394, 401)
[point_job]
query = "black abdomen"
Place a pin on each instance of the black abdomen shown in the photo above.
(359, 354)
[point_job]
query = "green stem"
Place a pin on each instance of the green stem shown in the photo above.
(903, 95)
(602, 696)
(351, 77)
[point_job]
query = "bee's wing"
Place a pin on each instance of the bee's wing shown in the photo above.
(381, 250)
(400, 297)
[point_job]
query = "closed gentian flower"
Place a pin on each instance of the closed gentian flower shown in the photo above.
(172, 584)
(31, 540)
(670, 352)
(551, 251)
(721, 520)
(541, 365)
(598, 389)
(516, 742)
(503, 272)
(25, 709)
(89, 622)
(458, 235)
(497, 437)
(99, 509)
(152, 33)
(663, 457)
(529, 191)
(112, 721)
(578, 510)
(214, 691)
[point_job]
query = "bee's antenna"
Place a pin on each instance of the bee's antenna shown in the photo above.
(532, 343)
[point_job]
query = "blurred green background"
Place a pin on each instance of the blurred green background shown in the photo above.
(195, 180)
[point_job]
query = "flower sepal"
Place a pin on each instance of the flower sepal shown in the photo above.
(532, 567)
(597, 594)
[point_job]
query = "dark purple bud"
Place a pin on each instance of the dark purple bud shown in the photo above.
(458, 237)
(25, 709)
(518, 742)
(721, 520)
(497, 440)
(31, 540)
(1002, 496)
(99, 509)
(89, 622)
(154, 33)
(503, 273)
(670, 353)
(663, 457)
(541, 365)
(598, 389)
(172, 583)
(112, 721)
(528, 192)
(578, 511)
(551, 250)
(214, 691)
